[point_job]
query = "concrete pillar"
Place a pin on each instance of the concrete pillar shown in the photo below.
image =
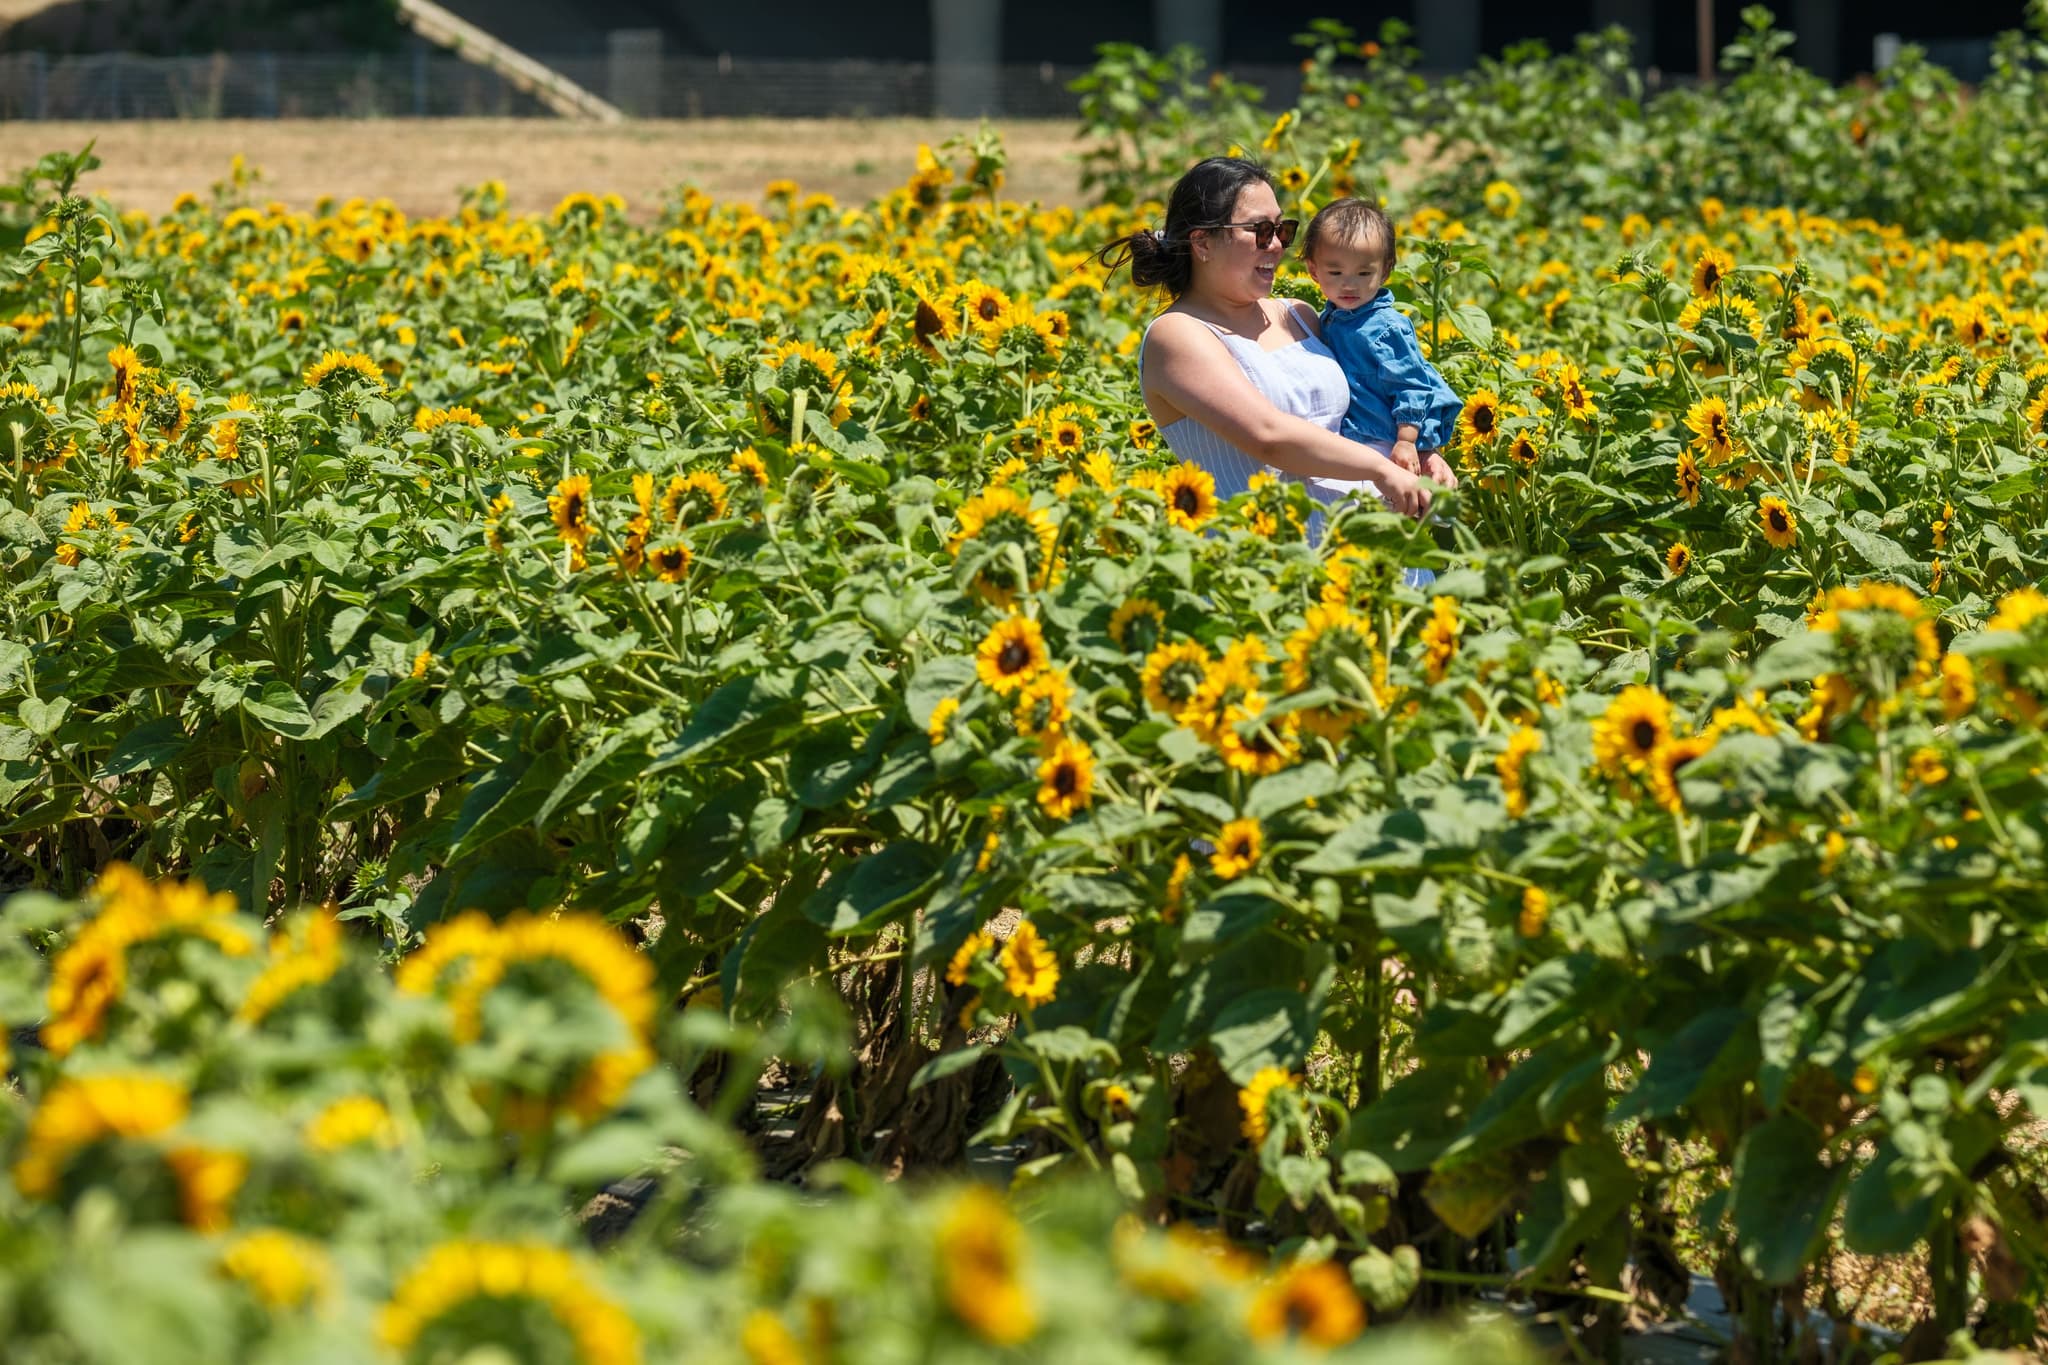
(1192, 23)
(1818, 26)
(1639, 17)
(633, 70)
(1447, 31)
(967, 47)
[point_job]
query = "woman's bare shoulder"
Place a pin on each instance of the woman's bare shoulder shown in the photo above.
(1302, 314)
(1173, 325)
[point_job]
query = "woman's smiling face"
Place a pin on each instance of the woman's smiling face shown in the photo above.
(1230, 263)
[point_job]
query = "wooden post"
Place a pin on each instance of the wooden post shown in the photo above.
(1704, 10)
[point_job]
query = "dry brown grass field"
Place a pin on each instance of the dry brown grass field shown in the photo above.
(422, 165)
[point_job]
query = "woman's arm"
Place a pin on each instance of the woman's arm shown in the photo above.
(1191, 371)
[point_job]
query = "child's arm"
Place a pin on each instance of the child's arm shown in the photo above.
(1414, 389)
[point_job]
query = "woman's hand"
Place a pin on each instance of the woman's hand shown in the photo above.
(1402, 490)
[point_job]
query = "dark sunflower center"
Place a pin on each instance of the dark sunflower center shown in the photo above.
(1070, 437)
(1185, 501)
(1643, 734)
(988, 309)
(1778, 522)
(1015, 656)
(1711, 277)
(572, 508)
(1482, 421)
(1065, 779)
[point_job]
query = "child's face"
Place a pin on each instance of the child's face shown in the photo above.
(1348, 273)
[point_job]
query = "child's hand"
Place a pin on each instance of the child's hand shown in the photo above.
(1407, 456)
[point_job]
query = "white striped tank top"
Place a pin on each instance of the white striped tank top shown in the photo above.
(1301, 378)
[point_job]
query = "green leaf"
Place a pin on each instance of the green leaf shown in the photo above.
(609, 1152)
(757, 702)
(149, 745)
(860, 897)
(281, 709)
(1265, 1028)
(1388, 1279)
(43, 717)
(1585, 1192)
(1782, 1197)
(618, 757)
(1880, 552)
(1887, 1211)
(948, 1064)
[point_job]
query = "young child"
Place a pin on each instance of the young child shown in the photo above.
(1400, 405)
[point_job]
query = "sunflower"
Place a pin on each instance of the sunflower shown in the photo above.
(1313, 1301)
(281, 1270)
(982, 306)
(1708, 420)
(1440, 637)
(964, 957)
(1066, 779)
(671, 562)
(1066, 436)
(1237, 849)
(746, 466)
(1526, 449)
(1294, 179)
(570, 506)
(1256, 746)
(1664, 764)
(457, 1274)
(1031, 972)
(351, 1119)
(1190, 494)
(1535, 913)
(1939, 527)
(979, 1248)
(128, 371)
(1677, 559)
(1044, 704)
(292, 321)
(1144, 433)
(1479, 422)
(1137, 625)
(1510, 766)
(1958, 686)
(79, 1111)
(1634, 724)
(929, 324)
(1173, 674)
(1010, 653)
(1571, 388)
(1710, 272)
(1255, 1100)
(689, 495)
(1780, 526)
(332, 363)
(1000, 514)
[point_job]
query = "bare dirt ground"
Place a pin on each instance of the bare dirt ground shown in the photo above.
(422, 165)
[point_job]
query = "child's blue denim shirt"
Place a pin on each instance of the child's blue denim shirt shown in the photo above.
(1391, 382)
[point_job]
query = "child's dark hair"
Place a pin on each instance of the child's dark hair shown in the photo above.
(1203, 197)
(1356, 223)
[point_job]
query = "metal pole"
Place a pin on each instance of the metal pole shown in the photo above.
(1705, 12)
(419, 78)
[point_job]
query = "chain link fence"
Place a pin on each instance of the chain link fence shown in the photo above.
(428, 84)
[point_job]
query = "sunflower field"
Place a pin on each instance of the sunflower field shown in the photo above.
(546, 760)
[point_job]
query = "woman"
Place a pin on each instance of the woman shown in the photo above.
(1238, 382)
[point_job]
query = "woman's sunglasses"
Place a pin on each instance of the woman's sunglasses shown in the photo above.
(1265, 229)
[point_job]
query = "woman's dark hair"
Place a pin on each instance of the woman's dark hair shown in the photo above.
(1203, 197)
